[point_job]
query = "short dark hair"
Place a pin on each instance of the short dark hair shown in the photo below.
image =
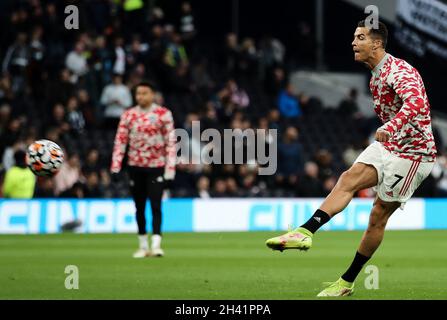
(381, 33)
(19, 158)
(148, 84)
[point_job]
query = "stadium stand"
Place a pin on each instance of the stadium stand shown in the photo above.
(52, 81)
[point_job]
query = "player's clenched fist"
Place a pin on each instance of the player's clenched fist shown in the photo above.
(382, 135)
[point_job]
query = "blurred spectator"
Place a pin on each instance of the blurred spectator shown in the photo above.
(310, 104)
(102, 60)
(54, 134)
(247, 66)
(272, 53)
(157, 48)
(9, 154)
(353, 151)
(37, 55)
(187, 26)
(136, 53)
(305, 45)
(91, 163)
(230, 54)
(19, 180)
(105, 182)
(11, 134)
(58, 119)
(87, 107)
(181, 79)
(17, 59)
(203, 188)
(134, 14)
(116, 97)
(175, 55)
(232, 188)
(309, 185)
(45, 188)
(439, 172)
(184, 179)
(210, 118)
(274, 81)
(324, 160)
(219, 189)
(5, 116)
(249, 185)
(234, 94)
(77, 190)
(290, 155)
(6, 94)
(76, 61)
(136, 76)
(119, 61)
(288, 103)
(349, 106)
(157, 17)
(69, 174)
(60, 90)
(75, 118)
(439, 141)
(201, 78)
(274, 118)
(329, 184)
(92, 188)
(99, 13)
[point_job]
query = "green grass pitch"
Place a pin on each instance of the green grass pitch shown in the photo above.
(412, 265)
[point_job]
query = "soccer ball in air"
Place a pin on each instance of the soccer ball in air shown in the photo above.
(44, 158)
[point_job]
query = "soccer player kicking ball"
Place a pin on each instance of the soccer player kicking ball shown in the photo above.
(398, 161)
(146, 131)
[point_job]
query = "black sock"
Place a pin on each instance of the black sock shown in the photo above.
(355, 268)
(316, 221)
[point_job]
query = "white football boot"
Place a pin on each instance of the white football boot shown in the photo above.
(141, 253)
(156, 249)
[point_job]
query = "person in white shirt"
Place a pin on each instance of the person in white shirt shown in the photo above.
(119, 66)
(116, 97)
(76, 62)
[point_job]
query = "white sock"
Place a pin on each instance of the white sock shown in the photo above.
(143, 242)
(155, 241)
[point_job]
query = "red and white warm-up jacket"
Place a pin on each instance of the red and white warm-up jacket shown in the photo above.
(401, 103)
(149, 135)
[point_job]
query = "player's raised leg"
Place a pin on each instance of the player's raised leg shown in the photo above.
(371, 240)
(358, 177)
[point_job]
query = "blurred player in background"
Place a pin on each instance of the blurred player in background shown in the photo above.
(146, 133)
(398, 161)
(19, 179)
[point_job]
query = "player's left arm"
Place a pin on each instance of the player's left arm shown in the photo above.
(405, 83)
(170, 140)
(120, 144)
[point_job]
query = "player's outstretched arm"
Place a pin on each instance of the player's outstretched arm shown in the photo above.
(120, 144)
